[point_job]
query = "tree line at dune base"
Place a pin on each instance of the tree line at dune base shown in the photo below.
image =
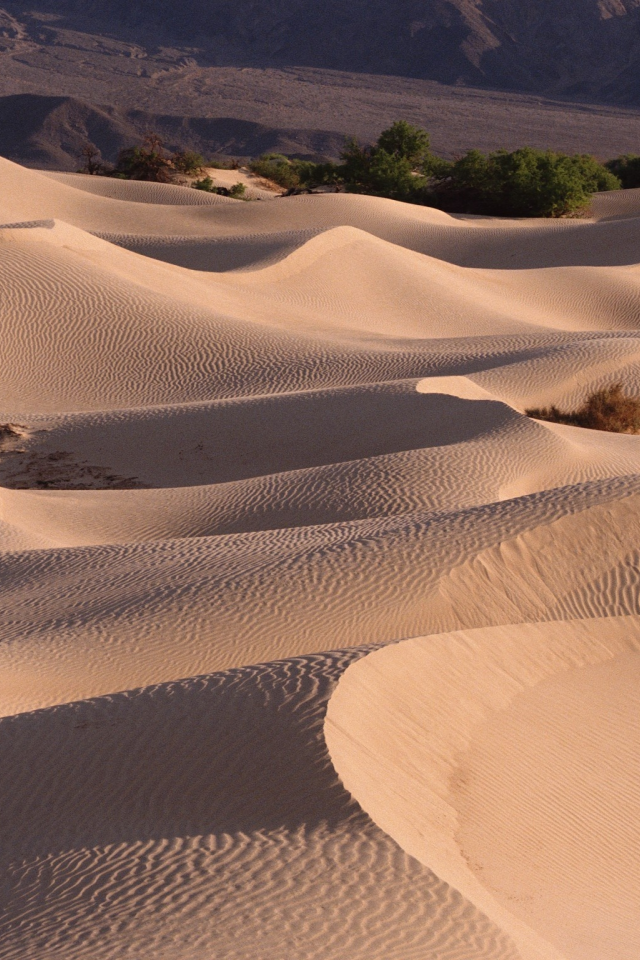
(401, 166)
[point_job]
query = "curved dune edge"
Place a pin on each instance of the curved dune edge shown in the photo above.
(447, 743)
(118, 609)
(208, 822)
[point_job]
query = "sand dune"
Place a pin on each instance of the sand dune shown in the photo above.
(502, 784)
(246, 451)
(243, 598)
(246, 841)
(162, 194)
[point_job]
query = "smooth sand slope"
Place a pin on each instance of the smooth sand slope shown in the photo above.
(505, 759)
(246, 449)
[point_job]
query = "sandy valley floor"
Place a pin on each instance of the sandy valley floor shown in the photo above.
(313, 646)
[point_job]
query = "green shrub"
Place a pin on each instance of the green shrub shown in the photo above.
(374, 171)
(206, 184)
(525, 183)
(294, 174)
(311, 174)
(626, 169)
(400, 165)
(406, 142)
(607, 409)
(147, 161)
(238, 191)
(278, 168)
(186, 161)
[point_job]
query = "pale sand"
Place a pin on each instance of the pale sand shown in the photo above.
(506, 759)
(246, 434)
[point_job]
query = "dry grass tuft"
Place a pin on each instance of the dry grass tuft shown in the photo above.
(607, 409)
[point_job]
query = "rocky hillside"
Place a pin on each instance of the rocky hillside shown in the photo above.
(49, 132)
(583, 48)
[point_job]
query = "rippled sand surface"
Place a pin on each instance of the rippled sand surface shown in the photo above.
(313, 645)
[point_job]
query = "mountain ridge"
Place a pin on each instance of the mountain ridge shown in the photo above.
(580, 48)
(50, 132)
(240, 80)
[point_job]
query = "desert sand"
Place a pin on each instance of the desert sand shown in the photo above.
(314, 645)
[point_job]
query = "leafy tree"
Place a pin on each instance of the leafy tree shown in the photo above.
(375, 171)
(356, 163)
(466, 184)
(92, 160)
(399, 165)
(392, 176)
(145, 162)
(626, 169)
(406, 142)
(186, 161)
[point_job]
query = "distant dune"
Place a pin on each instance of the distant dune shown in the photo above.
(248, 451)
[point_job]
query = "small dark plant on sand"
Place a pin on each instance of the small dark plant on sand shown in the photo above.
(606, 409)
(205, 184)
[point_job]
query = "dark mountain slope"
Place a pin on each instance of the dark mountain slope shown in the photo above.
(50, 132)
(573, 47)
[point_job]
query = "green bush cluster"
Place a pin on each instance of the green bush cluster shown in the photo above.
(626, 169)
(524, 183)
(237, 191)
(206, 184)
(186, 161)
(401, 165)
(294, 174)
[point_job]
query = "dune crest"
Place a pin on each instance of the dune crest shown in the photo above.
(492, 756)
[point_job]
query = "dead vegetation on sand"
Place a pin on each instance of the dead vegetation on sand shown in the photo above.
(607, 409)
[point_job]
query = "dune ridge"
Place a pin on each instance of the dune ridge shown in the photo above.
(249, 450)
(503, 797)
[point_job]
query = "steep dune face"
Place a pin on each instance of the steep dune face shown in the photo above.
(244, 844)
(496, 757)
(246, 450)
